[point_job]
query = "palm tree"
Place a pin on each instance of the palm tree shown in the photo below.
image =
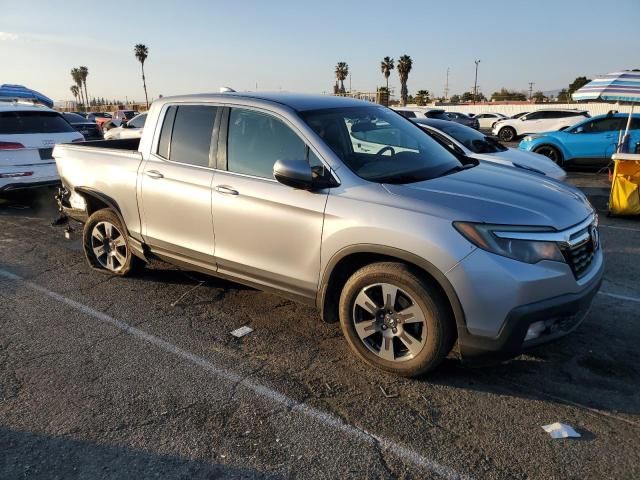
(84, 72)
(77, 78)
(75, 92)
(404, 67)
(342, 72)
(142, 52)
(385, 67)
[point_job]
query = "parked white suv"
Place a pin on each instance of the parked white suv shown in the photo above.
(489, 119)
(28, 134)
(535, 122)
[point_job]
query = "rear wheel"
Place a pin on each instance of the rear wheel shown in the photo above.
(106, 245)
(507, 134)
(395, 320)
(550, 152)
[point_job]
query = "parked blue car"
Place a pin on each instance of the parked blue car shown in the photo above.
(589, 143)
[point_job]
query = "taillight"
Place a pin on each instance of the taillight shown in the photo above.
(10, 146)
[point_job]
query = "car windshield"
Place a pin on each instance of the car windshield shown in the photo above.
(381, 146)
(437, 114)
(129, 114)
(472, 139)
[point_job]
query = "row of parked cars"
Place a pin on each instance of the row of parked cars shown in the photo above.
(565, 136)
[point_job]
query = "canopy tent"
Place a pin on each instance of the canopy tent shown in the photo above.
(20, 92)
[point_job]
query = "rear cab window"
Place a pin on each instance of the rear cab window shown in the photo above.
(30, 122)
(186, 134)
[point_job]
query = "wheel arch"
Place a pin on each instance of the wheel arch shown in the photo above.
(346, 261)
(551, 143)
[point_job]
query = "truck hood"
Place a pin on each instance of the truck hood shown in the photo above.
(526, 159)
(499, 195)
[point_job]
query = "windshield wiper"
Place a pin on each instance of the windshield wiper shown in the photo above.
(457, 168)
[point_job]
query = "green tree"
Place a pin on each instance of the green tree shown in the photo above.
(455, 99)
(77, 78)
(563, 96)
(385, 67)
(84, 73)
(578, 83)
(422, 97)
(75, 92)
(404, 67)
(507, 95)
(467, 97)
(142, 52)
(342, 72)
(539, 96)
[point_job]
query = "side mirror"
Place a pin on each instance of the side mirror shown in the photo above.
(124, 124)
(578, 130)
(294, 173)
(523, 118)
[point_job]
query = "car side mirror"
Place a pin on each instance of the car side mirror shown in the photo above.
(124, 124)
(294, 173)
(523, 119)
(578, 130)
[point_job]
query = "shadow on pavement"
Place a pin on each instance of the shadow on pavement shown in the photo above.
(35, 456)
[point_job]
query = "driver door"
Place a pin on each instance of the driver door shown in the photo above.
(591, 141)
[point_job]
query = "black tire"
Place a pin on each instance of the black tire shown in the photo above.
(551, 153)
(507, 134)
(123, 260)
(436, 333)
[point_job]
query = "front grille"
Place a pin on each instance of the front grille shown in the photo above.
(580, 256)
(45, 153)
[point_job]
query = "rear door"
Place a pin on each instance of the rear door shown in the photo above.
(265, 232)
(594, 141)
(175, 185)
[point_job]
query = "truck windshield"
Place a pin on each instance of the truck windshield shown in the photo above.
(381, 146)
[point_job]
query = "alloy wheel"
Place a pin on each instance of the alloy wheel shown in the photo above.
(389, 322)
(109, 246)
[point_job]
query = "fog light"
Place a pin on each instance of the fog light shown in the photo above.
(535, 330)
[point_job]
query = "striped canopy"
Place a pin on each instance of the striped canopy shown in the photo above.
(612, 87)
(23, 93)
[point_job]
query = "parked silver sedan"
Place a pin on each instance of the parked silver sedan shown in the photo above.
(471, 143)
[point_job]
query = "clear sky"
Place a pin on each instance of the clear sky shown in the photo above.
(198, 46)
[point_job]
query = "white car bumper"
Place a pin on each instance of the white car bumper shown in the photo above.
(27, 176)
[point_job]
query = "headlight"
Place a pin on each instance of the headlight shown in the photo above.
(530, 251)
(530, 138)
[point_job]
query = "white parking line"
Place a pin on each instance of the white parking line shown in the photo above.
(329, 420)
(620, 297)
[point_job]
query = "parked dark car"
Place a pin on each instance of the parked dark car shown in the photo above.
(463, 119)
(87, 128)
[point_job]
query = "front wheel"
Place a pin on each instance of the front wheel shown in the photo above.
(106, 246)
(551, 153)
(395, 320)
(507, 134)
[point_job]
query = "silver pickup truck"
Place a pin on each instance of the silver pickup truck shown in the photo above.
(347, 206)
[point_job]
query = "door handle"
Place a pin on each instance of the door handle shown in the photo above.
(153, 174)
(226, 190)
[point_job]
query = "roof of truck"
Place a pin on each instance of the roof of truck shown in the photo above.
(296, 101)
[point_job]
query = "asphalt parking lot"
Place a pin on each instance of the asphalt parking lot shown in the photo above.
(104, 377)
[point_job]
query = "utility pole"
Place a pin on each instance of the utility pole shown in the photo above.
(475, 83)
(531, 84)
(446, 87)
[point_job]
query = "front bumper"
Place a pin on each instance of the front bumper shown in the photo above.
(502, 298)
(561, 315)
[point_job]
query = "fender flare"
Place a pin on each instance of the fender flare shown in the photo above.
(437, 275)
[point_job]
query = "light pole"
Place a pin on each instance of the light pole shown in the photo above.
(475, 83)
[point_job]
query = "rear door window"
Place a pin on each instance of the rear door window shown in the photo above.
(21, 123)
(187, 133)
(256, 141)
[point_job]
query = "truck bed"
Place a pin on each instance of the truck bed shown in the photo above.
(109, 167)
